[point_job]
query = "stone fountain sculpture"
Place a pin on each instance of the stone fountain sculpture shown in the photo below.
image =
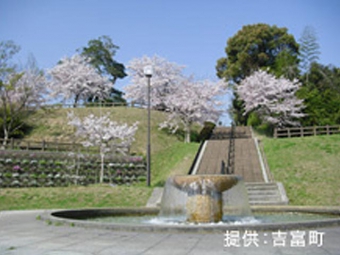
(204, 202)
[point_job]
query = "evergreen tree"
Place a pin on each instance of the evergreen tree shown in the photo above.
(100, 53)
(309, 50)
(321, 96)
(256, 47)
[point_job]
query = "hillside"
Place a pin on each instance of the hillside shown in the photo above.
(309, 168)
(170, 155)
(52, 126)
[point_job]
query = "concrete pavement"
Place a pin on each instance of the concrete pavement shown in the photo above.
(22, 233)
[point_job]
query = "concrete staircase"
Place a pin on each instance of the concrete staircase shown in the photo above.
(216, 150)
(247, 163)
(270, 193)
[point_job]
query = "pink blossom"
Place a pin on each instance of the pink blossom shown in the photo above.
(274, 99)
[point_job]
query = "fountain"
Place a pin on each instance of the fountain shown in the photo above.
(204, 201)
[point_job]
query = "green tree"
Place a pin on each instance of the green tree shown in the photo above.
(286, 65)
(254, 47)
(101, 53)
(321, 95)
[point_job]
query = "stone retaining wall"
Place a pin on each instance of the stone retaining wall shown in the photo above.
(57, 170)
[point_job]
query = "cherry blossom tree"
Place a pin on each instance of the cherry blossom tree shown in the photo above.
(193, 101)
(187, 101)
(75, 78)
(21, 93)
(30, 89)
(164, 79)
(273, 98)
(7, 50)
(101, 131)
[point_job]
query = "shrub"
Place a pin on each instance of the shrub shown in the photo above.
(141, 178)
(7, 175)
(206, 131)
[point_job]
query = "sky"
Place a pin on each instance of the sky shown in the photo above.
(187, 32)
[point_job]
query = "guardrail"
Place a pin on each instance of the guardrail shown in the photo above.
(306, 131)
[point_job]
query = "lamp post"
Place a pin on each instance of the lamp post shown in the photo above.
(148, 74)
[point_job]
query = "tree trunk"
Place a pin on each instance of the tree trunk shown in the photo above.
(101, 176)
(187, 134)
(6, 137)
(76, 101)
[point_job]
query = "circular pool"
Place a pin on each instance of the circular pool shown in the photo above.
(147, 219)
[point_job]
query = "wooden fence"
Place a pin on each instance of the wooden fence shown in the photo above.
(19, 144)
(89, 105)
(306, 131)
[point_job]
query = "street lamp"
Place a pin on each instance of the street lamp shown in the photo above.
(148, 74)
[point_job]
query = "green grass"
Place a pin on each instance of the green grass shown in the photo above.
(309, 168)
(73, 197)
(170, 156)
(176, 159)
(52, 126)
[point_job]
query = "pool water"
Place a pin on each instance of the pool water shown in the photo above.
(256, 218)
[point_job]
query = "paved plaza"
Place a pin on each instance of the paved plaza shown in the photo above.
(22, 233)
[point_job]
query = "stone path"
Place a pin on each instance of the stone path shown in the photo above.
(22, 234)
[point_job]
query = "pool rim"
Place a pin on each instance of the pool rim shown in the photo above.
(67, 217)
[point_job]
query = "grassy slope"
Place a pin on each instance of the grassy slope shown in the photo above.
(169, 156)
(52, 126)
(309, 168)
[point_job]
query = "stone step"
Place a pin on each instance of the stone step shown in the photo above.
(264, 198)
(260, 184)
(263, 193)
(267, 203)
(260, 188)
(266, 193)
(263, 188)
